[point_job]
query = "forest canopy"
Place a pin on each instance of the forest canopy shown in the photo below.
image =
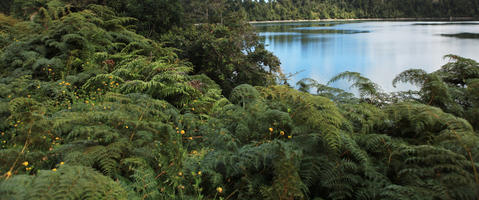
(114, 100)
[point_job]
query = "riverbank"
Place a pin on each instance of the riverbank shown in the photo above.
(370, 19)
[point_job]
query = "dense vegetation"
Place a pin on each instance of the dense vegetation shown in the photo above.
(95, 104)
(315, 9)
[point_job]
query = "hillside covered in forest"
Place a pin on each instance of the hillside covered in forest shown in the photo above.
(115, 100)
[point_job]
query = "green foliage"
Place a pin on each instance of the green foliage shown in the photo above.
(154, 16)
(69, 182)
(230, 55)
(449, 88)
(91, 110)
(345, 9)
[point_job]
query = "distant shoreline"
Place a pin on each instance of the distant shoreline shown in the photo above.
(370, 19)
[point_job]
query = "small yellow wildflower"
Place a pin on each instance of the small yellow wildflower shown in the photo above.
(289, 136)
(29, 96)
(61, 163)
(193, 109)
(49, 69)
(190, 138)
(57, 138)
(9, 173)
(271, 129)
(194, 152)
(219, 189)
(199, 173)
(25, 163)
(126, 126)
(182, 132)
(177, 128)
(180, 173)
(54, 169)
(87, 101)
(281, 132)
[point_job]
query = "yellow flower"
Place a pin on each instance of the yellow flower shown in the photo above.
(182, 132)
(190, 138)
(61, 163)
(54, 169)
(87, 101)
(289, 136)
(193, 109)
(219, 189)
(177, 128)
(180, 173)
(49, 69)
(281, 132)
(126, 126)
(194, 152)
(271, 129)
(57, 138)
(25, 163)
(29, 96)
(9, 173)
(199, 172)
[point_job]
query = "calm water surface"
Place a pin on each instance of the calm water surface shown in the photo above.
(378, 50)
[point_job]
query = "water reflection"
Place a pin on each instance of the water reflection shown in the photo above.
(379, 50)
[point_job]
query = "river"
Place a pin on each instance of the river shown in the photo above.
(378, 49)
